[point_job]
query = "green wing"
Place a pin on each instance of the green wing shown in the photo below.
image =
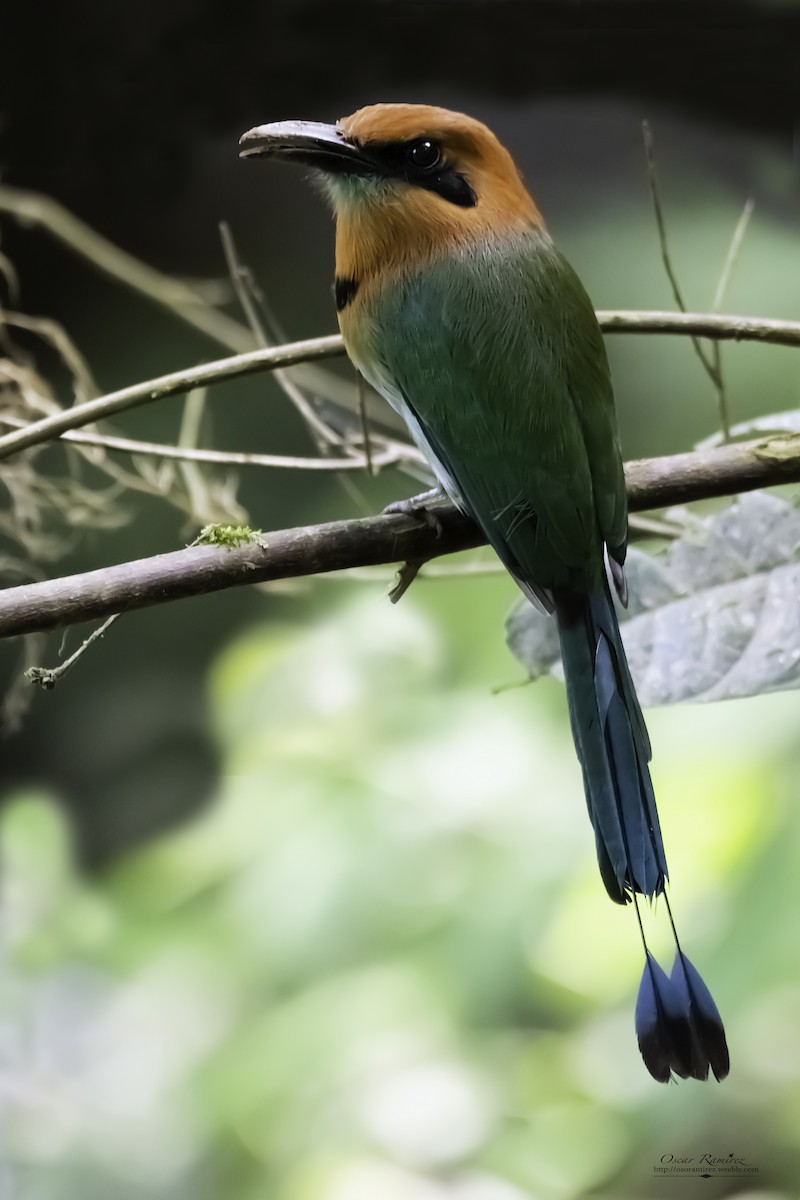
(497, 362)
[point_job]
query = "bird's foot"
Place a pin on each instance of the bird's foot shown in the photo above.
(418, 507)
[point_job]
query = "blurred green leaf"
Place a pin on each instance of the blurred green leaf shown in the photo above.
(383, 959)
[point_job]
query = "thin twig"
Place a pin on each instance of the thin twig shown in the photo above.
(640, 528)
(323, 435)
(719, 296)
(242, 284)
(291, 553)
(735, 328)
(176, 383)
(326, 438)
(709, 325)
(259, 313)
(723, 411)
(398, 453)
(707, 363)
(661, 226)
(181, 300)
(366, 440)
(196, 485)
(733, 253)
(48, 677)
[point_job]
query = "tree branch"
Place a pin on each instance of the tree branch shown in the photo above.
(398, 453)
(290, 553)
(719, 327)
(784, 333)
(708, 366)
(174, 384)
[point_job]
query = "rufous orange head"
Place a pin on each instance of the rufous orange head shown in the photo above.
(407, 182)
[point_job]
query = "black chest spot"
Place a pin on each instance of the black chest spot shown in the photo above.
(344, 290)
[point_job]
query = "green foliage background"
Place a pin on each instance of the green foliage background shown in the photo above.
(382, 963)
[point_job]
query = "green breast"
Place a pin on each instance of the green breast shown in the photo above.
(496, 354)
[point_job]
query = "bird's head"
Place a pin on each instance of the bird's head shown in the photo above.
(405, 180)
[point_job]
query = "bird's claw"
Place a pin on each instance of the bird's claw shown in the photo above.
(418, 508)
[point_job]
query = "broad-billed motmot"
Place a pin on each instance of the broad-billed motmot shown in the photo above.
(455, 305)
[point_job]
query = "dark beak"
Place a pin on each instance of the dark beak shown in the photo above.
(307, 142)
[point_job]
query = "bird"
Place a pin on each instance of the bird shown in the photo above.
(455, 305)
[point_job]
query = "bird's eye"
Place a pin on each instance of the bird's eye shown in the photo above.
(424, 155)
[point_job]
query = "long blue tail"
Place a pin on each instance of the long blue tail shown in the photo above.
(612, 745)
(678, 1025)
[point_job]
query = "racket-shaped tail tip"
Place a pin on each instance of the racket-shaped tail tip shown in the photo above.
(709, 1044)
(662, 1028)
(678, 1026)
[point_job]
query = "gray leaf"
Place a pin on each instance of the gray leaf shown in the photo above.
(715, 617)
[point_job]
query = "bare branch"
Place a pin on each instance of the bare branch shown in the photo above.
(233, 458)
(731, 257)
(716, 304)
(247, 295)
(290, 553)
(48, 677)
(174, 384)
(243, 284)
(735, 328)
(639, 529)
(187, 302)
(707, 363)
(727, 328)
(366, 440)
